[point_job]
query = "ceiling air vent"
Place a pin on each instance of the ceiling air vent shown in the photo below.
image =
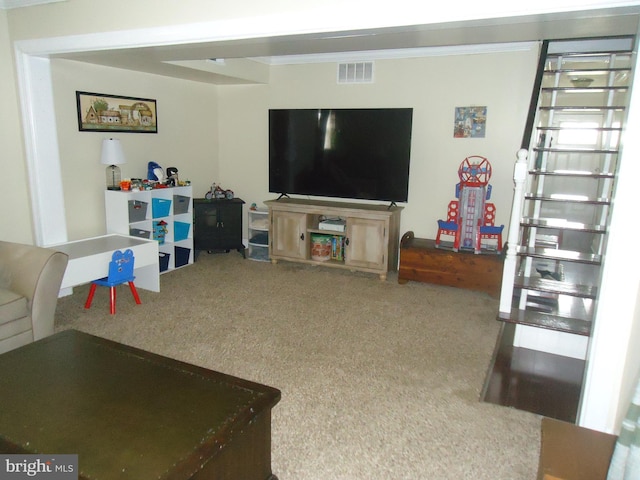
(356, 72)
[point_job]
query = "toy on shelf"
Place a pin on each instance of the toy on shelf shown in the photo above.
(471, 218)
(218, 193)
(172, 177)
(155, 172)
(160, 230)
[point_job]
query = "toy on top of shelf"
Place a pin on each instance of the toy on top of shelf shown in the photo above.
(471, 218)
(172, 177)
(155, 172)
(217, 192)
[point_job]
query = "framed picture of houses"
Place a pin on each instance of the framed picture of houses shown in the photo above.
(100, 112)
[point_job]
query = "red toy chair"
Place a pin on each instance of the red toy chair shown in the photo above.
(489, 230)
(120, 271)
(451, 226)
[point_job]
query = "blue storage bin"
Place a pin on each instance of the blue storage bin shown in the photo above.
(160, 207)
(182, 256)
(164, 261)
(180, 231)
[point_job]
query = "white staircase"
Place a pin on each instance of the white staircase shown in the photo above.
(565, 183)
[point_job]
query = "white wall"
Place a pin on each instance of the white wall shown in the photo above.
(187, 137)
(220, 133)
(15, 204)
(432, 86)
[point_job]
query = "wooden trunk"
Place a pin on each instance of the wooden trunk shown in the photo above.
(421, 261)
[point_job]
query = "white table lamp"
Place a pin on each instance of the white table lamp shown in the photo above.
(112, 155)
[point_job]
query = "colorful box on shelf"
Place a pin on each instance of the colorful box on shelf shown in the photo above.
(320, 247)
(160, 207)
(337, 248)
(160, 231)
(180, 231)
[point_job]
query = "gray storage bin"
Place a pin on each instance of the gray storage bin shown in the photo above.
(138, 232)
(137, 211)
(181, 204)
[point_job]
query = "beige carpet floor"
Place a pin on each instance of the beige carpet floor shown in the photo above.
(378, 380)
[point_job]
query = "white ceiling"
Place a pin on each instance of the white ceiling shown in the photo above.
(6, 4)
(247, 60)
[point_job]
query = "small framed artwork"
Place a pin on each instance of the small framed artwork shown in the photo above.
(470, 122)
(100, 112)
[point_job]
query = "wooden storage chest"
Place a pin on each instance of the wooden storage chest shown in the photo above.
(421, 261)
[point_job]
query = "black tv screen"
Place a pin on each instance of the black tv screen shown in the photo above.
(346, 153)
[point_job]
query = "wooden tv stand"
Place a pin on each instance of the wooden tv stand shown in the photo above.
(370, 238)
(421, 261)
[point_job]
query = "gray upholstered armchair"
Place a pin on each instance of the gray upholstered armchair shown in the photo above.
(30, 279)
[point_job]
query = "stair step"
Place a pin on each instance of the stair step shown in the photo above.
(568, 198)
(556, 287)
(561, 224)
(610, 151)
(555, 254)
(585, 89)
(597, 129)
(572, 173)
(547, 321)
(587, 108)
(589, 71)
(586, 55)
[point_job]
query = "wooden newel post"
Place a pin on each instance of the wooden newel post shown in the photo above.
(510, 261)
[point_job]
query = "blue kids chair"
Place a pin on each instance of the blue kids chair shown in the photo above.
(120, 271)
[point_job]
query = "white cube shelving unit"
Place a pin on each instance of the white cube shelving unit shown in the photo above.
(141, 214)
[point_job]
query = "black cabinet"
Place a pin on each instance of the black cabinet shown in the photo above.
(217, 225)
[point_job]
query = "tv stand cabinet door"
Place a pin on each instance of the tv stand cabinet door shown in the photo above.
(288, 240)
(367, 243)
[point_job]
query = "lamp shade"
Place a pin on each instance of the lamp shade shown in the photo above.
(112, 153)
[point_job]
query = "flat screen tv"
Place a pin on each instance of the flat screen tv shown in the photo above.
(346, 153)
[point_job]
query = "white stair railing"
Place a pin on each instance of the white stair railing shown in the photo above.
(511, 258)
